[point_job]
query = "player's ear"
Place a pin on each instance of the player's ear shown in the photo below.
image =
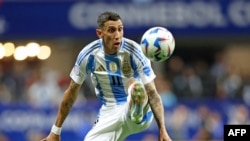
(99, 32)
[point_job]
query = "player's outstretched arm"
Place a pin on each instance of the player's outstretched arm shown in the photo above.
(69, 98)
(158, 110)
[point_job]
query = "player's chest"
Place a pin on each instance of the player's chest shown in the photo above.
(118, 65)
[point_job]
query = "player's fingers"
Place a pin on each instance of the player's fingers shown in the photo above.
(45, 139)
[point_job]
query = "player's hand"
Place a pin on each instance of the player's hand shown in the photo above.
(51, 137)
(164, 136)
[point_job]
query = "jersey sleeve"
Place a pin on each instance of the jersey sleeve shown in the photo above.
(144, 67)
(79, 72)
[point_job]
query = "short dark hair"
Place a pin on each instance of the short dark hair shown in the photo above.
(107, 16)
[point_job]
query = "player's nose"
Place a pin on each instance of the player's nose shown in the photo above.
(117, 35)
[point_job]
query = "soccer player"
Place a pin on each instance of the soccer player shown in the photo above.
(124, 83)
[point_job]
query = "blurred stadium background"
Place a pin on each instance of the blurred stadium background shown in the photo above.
(204, 85)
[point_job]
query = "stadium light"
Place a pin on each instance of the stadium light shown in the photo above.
(9, 49)
(33, 49)
(2, 51)
(44, 52)
(20, 53)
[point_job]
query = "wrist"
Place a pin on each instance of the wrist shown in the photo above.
(56, 130)
(162, 130)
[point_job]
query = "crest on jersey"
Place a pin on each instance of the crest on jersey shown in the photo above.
(126, 67)
(112, 66)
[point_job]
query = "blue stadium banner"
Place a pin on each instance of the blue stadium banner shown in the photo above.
(236, 132)
(38, 18)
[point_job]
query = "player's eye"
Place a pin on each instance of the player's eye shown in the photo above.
(120, 29)
(111, 30)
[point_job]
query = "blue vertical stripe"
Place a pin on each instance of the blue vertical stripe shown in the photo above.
(100, 95)
(91, 67)
(115, 78)
(134, 66)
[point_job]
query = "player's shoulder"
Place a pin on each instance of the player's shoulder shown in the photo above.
(130, 42)
(131, 45)
(92, 45)
(88, 49)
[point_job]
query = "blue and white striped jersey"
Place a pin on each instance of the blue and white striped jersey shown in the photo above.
(110, 73)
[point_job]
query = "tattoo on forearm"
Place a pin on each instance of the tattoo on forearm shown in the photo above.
(67, 105)
(67, 102)
(155, 104)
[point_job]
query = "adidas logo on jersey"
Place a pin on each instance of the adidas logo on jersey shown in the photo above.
(100, 68)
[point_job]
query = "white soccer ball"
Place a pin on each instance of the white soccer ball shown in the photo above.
(157, 44)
